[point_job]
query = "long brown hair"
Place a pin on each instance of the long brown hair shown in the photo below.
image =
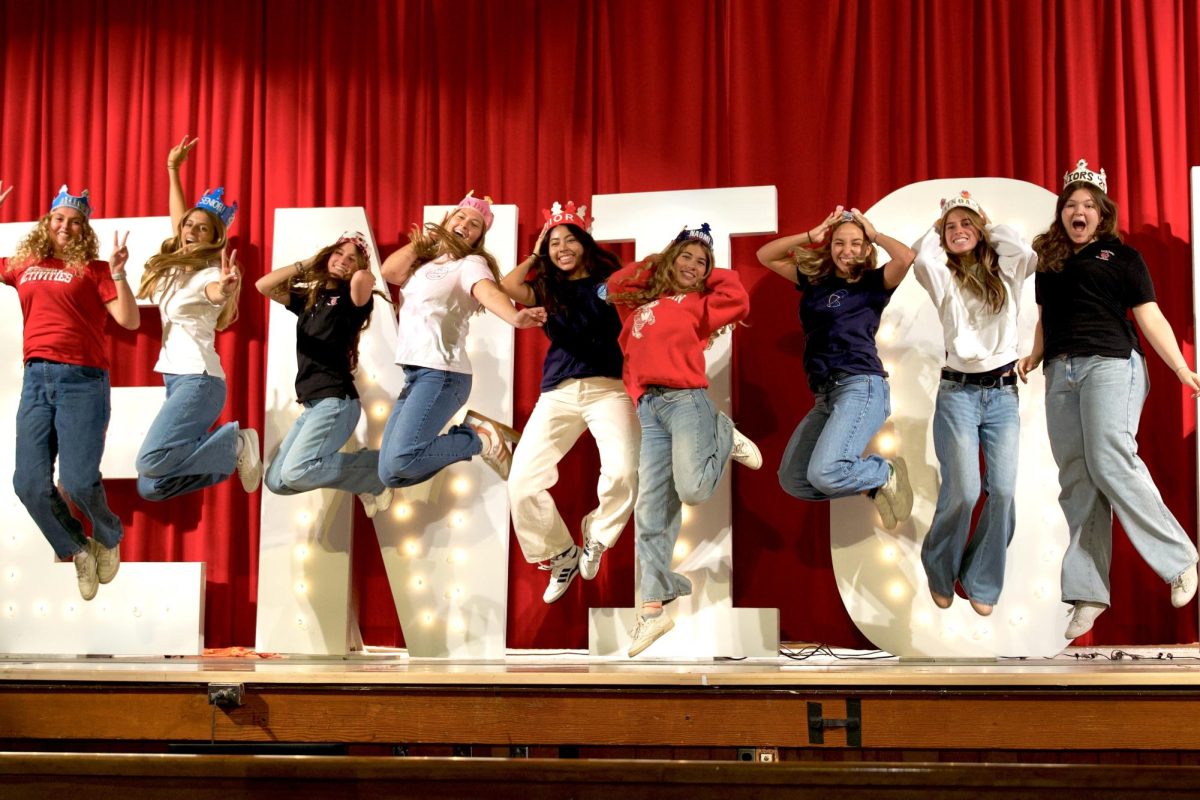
(37, 246)
(983, 278)
(313, 278)
(816, 264)
(173, 259)
(661, 280)
(433, 240)
(1054, 247)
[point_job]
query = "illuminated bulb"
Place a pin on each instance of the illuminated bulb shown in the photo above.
(401, 510)
(302, 552)
(887, 333)
(301, 622)
(380, 410)
(981, 632)
(950, 630)
(13, 573)
(70, 609)
(681, 549)
(922, 619)
(458, 625)
(137, 611)
(41, 607)
(427, 618)
(1042, 590)
(458, 519)
(417, 583)
(373, 377)
(890, 554)
(11, 609)
(301, 587)
(460, 485)
(304, 517)
(685, 514)
(1048, 555)
(896, 590)
(104, 608)
(887, 443)
(411, 548)
(456, 592)
(1017, 619)
(458, 556)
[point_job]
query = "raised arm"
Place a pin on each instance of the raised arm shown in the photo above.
(1160, 336)
(775, 255)
(4, 193)
(900, 255)
(514, 283)
(362, 285)
(219, 291)
(123, 308)
(489, 295)
(276, 283)
(397, 268)
(177, 156)
(1012, 249)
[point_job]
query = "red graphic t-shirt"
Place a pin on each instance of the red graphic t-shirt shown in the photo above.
(63, 309)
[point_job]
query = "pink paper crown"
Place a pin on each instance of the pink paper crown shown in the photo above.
(359, 241)
(484, 207)
(961, 200)
(571, 215)
(1081, 173)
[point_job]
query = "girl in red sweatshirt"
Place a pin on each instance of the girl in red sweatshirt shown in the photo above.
(672, 305)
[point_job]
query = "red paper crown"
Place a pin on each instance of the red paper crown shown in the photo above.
(571, 215)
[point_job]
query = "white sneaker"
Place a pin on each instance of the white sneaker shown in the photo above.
(510, 434)
(562, 568)
(249, 462)
(107, 561)
(1084, 618)
(85, 573)
(495, 449)
(897, 493)
(744, 451)
(1183, 588)
(648, 630)
(589, 562)
(374, 503)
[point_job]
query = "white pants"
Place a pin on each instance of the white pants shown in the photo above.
(558, 420)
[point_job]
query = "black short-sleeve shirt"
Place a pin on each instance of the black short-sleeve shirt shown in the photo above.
(1085, 306)
(583, 334)
(840, 321)
(325, 335)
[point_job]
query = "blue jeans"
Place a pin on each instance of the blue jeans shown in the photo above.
(413, 451)
(823, 459)
(1093, 406)
(966, 418)
(64, 413)
(310, 456)
(181, 454)
(685, 449)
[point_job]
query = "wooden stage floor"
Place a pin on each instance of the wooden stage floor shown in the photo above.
(1086, 700)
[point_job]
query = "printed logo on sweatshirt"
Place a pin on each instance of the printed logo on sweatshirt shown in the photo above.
(45, 274)
(1105, 255)
(645, 314)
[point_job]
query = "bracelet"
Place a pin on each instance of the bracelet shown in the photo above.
(118, 276)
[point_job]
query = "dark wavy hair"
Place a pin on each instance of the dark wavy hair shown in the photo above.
(315, 277)
(1054, 247)
(817, 264)
(549, 280)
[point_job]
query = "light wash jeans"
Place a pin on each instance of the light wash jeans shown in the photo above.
(685, 450)
(413, 451)
(966, 418)
(823, 459)
(1093, 405)
(310, 456)
(64, 413)
(560, 417)
(180, 453)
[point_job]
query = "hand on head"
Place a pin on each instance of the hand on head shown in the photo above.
(817, 234)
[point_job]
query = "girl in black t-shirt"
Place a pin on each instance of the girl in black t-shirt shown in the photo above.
(581, 390)
(330, 294)
(1087, 283)
(843, 301)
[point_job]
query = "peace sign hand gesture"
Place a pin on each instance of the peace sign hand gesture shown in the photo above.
(120, 254)
(231, 274)
(179, 152)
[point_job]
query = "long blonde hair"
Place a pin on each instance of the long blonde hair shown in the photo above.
(37, 246)
(817, 264)
(174, 260)
(661, 280)
(433, 240)
(983, 281)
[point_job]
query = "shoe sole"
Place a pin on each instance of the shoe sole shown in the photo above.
(638, 649)
(511, 434)
(252, 441)
(901, 467)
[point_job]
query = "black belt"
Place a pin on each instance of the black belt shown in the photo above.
(982, 379)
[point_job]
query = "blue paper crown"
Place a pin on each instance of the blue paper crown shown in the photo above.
(703, 233)
(78, 202)
(214, 201)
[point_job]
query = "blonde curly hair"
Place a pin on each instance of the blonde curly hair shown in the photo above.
(38, 246)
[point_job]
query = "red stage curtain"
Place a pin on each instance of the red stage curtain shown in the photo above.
(395, 105)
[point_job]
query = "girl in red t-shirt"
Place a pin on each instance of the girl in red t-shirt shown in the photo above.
(66, 296)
